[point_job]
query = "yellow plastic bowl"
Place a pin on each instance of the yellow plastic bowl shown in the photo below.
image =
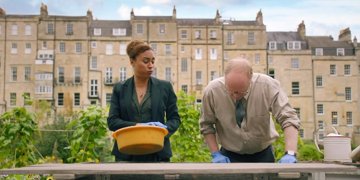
(140, 140)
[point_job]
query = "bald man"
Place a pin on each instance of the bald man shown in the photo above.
(237, 113)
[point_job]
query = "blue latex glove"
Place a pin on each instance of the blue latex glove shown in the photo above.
(287, 158)
(159, 124)
(219, 158)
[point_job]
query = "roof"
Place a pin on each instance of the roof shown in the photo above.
(110, 24)
(283, 36)
(107, 26)
(327, 41)
(241, 23)
(196, 22)
(153, 17)
(50, 17)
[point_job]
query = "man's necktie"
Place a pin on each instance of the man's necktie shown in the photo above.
(240, 111)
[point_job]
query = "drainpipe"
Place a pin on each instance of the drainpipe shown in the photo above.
(222, 48)
(5, 40)
(53, 82)
(207, 55)
(177, 59)
(191, 60)
(313, 92)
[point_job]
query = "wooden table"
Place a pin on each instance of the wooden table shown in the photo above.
(318, 171)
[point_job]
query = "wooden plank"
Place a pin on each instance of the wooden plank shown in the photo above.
(181, 168)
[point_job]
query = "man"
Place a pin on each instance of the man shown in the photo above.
(237, 111)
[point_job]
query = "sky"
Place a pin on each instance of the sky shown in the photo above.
(321, 17)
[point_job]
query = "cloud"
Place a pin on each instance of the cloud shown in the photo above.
(34, 3)
(124, 11)
(158, 1)
(89, 4)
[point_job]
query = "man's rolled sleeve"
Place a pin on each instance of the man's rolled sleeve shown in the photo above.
(207, 117)
(284, 113)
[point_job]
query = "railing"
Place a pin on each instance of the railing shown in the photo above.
(68, 82)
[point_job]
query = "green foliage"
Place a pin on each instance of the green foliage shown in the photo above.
(52, 142)
(17, 130)
(308, 152)
(279, 144)
(42, 108)
(90, 137)
(187, 143)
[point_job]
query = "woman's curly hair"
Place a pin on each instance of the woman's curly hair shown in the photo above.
(136, 47)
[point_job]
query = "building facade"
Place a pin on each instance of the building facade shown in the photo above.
(73, 61)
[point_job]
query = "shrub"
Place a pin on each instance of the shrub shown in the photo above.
(53, 141)
(89, 141)
(187, 142)
(17, 143)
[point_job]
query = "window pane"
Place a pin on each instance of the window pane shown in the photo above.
(61, 75)
(62, 47)
(77, 74)
(319, 82)
(139, 28)
(348, 93)
(60, 99)
(27, 99)
(332, 69)
(251, 38)
(122, 73)
(12, 99)
(295, 88)
(168, 74)
(108, 98)
(184, 88)
(349, 120)
(76, 99)
(320, 108)
(347, 69)
(27, 73)
(334, 118)
(295, 63)
(184, 65)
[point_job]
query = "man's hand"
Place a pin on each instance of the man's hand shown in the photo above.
(219, 158)
(287, 158)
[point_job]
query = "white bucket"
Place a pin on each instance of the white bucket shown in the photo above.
(337, 148)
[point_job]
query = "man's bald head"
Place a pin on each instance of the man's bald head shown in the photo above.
(238, 74)
(239, 65)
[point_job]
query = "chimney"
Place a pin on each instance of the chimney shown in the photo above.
(2, 12)
(43, 10)
(355, 41)
(174, 13)
(301, 30)
(132, 15)
(259, 18)
(345, 35)
(217, 17)
(89, 15)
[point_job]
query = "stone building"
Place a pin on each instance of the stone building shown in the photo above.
(74, 61)
(289, 61)
(335, 80)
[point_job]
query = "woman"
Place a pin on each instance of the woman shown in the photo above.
(143, 99)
